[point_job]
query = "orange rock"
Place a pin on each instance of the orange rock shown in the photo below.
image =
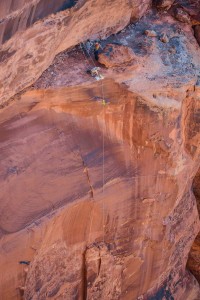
(116, 55)
(99, 197)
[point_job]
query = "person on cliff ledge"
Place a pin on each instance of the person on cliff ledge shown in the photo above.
(97, 46)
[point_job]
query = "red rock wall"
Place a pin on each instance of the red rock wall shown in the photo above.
(96, 176)
(19, 15)
(29, 53)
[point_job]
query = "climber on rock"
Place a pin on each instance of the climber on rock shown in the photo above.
(94, 72)
(97, 46)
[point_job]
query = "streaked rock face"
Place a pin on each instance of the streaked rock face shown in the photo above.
(30, 52)
(18, 15)
(96, 176)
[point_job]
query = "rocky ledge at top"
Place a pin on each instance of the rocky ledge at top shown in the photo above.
(29, 52)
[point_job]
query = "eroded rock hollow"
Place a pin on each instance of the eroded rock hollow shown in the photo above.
(100, 178)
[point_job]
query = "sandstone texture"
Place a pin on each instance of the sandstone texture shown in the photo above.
(116, 55)
(17, 15)
(30, 52)
(163, 4)
(100, 179)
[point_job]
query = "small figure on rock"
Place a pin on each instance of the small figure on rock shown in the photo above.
(95, 72)
(102, 100)
(97, 46)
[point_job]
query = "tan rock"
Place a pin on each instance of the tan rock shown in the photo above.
(164, 38)
(116, 55)
(150, 33)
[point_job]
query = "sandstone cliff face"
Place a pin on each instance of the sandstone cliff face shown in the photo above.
(18, 15)
(99, 197)
(29, 53)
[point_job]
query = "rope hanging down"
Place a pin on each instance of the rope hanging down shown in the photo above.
(103, 140)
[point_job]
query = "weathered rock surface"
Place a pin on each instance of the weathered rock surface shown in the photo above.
(186, 11)
(192, 7)
(29, 53)
(182, 15)
(18, 15)
(116, 55)
(98, 197)
(164, 4)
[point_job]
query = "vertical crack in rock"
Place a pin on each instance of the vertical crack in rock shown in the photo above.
(86, 171)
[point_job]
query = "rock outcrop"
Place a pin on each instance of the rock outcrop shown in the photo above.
(16, 16)
(30, 52)
(96, 176)
(116, 55)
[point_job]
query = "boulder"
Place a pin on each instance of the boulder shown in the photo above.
(164, 38)
(116, 55)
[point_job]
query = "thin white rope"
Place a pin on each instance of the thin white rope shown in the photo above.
(103, 162)
(103, 155)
